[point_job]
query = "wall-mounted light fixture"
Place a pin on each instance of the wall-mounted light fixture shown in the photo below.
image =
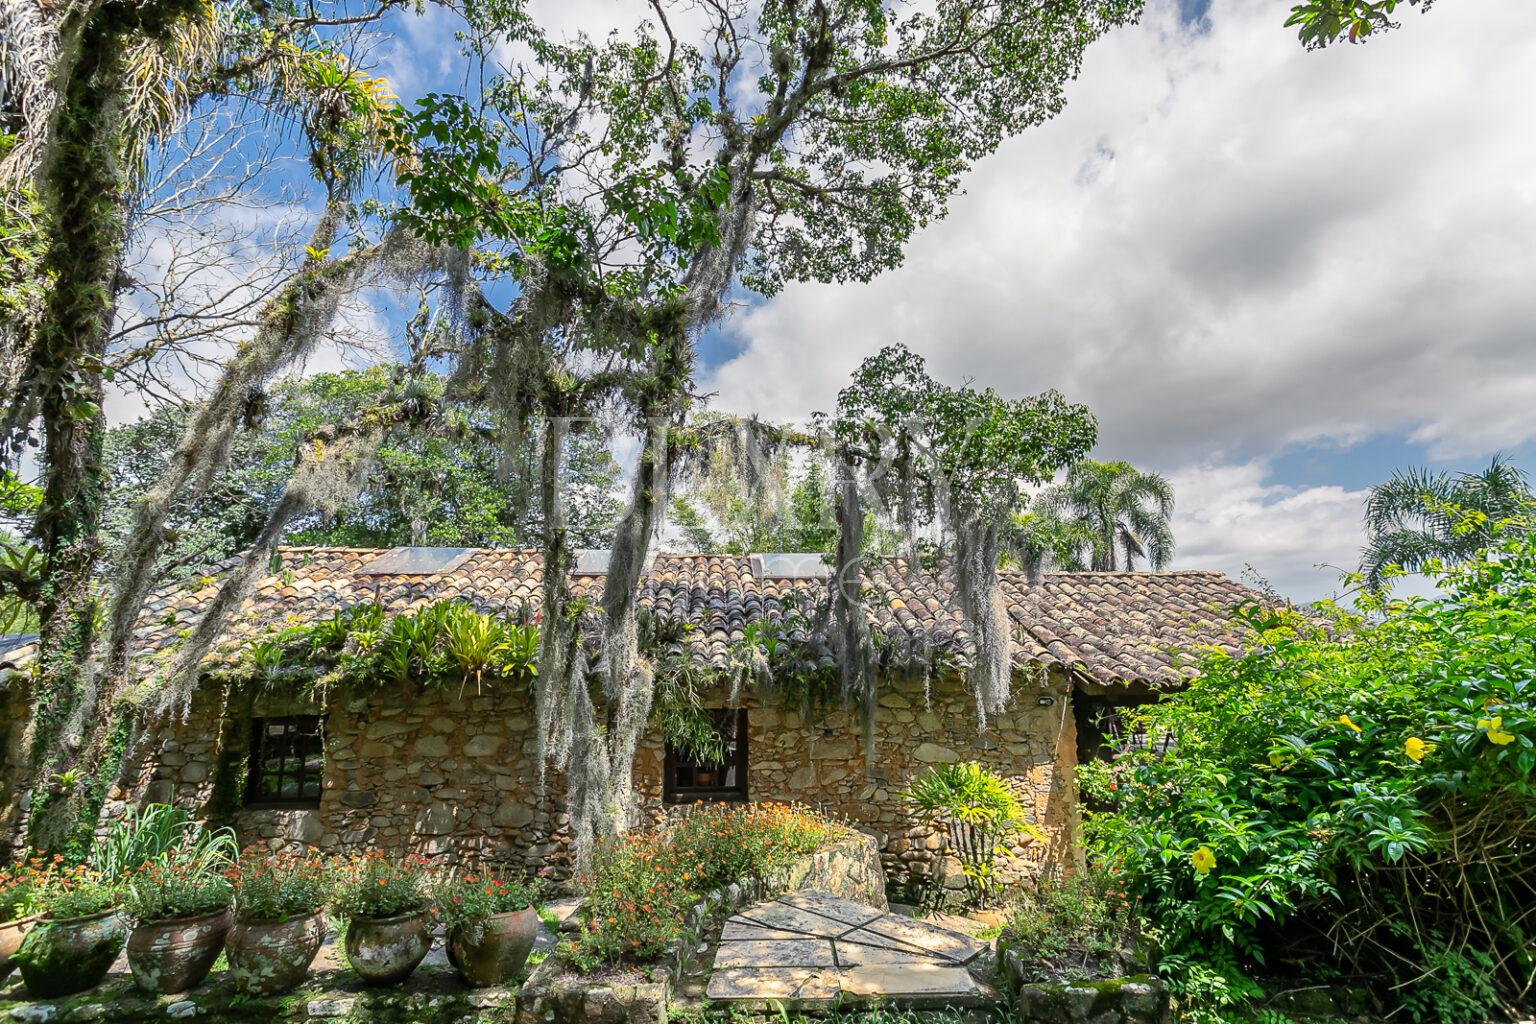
(1045, 701)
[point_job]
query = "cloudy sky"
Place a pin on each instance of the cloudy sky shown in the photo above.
(1274, 275)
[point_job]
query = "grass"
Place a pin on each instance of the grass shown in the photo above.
(874, 1015)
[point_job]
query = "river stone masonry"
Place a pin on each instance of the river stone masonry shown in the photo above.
(455, 776)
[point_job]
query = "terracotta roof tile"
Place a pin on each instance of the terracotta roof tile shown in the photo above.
(1109, 626)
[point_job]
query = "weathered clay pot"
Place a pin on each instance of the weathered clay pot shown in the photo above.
(62, 957)
(269, 957)
(11, 934)
(491, 952)
(384, 950)
(173, 956)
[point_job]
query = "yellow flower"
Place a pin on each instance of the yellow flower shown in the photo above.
(1203, 860)
(1344, 720)
(1415, 748)
(1495, 728)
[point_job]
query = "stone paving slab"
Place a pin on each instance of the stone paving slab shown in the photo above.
(739, 928)
(823, 905)
(775, 953)
(753, 983)
(793, 919)
(812, 949)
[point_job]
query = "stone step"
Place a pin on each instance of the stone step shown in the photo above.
(811, 951)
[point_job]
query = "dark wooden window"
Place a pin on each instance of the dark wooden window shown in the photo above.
(686, 779)
(287, 759)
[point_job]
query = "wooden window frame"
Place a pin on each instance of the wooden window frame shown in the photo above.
(294, 753)
(672, 793)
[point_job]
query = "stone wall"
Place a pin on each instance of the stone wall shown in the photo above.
(449, 776)
(456, 776)
(818, 759)
(15, 715)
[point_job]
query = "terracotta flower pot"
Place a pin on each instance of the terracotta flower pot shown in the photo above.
(384, 950)
(492, 951)
(173, 956)
(269, 957)
(11, 934)
(62, 957)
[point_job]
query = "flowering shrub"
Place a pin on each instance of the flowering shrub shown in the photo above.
(275, 886)
(1069, 929)
(175, 888)
(374, 884)
(464, 899)
(1358, 790)
(18, 885)
(638, 887)
(61, 892)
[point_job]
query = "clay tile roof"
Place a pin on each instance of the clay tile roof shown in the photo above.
(1110, 627)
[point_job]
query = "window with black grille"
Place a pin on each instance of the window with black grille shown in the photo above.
(287, 760)
(687, 779)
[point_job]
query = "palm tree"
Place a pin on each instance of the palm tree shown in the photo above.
(1040, 540)
(1120, 512)
(1417, 516)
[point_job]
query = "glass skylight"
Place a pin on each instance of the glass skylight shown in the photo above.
(416, 562)
(791, 565)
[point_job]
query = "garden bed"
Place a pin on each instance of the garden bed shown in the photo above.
(556, 993)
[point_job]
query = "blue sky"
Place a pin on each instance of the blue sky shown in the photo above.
(1274, 275)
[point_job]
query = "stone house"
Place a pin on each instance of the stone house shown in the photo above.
(454, 773)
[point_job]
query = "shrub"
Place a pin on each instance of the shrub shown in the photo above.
(1073, 928)
(979, 812)
(63, 892)
(374, 884)
(465, 899)
(169, 865)
(18, 890)
(638, 887)
(170, 890)
(275, 886)
(1357, 791)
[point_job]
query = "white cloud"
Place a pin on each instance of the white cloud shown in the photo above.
(1229, 517)
(1226, 244)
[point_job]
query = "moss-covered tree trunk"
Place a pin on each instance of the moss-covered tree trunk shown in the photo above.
(84, 192)
(84, 187)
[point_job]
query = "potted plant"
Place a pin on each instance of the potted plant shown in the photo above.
(278, 925)
(491, 925)
(17, 884)
(181, 905)
(389, 920)
(80, 933)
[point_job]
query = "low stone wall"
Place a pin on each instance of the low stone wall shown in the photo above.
(554, 995)
(336, 997)
(1140, 999)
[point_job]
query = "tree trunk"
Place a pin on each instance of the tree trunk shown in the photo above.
(84, 189)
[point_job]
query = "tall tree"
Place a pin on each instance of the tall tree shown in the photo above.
(1124, 511)
(94, 93)
(1417, 517)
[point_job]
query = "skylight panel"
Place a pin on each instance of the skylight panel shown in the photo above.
(594, 561)
(791, 565)
(416, 562)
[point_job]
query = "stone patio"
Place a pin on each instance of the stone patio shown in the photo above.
(811, 949)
